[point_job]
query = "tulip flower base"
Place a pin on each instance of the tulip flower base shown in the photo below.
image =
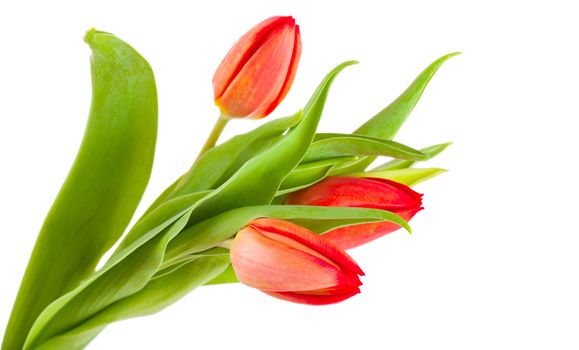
(275, 208)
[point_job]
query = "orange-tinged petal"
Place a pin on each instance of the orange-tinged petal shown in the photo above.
(261, 79)
(258, 71)
(242, 51)
(291, 72)
(263, 263)
(304, 236)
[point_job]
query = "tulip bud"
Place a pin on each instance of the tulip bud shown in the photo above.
(345, 191)
(258, 71)
(290, 262)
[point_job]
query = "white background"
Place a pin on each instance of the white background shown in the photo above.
(493, 263)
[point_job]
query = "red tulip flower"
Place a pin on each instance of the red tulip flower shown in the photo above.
(345, 191)
(258, 71)
(290, 262)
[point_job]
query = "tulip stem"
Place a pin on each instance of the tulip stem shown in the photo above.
(214, 135)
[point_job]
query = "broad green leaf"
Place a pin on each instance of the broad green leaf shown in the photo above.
(104, 186)
(209, 233)
(409, 176)
(156, 295)
(357, 145)
(403, 164)
(388, 121)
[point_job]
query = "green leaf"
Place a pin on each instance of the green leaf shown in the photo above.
(167, 210)
(221, 162)
(403, 164)
(258, 180)
(139, 258)
(358, 145)
(104, 186)
(387, 122)
(156, 295)
(126, 273)
(227, 276)
(210, 232)
(409, 176)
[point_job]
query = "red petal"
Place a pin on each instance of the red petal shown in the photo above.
(355, 235)
(308, 238)
(345, 191)
(311, 299)
(262, 71)
(242, 51)
(291, 72)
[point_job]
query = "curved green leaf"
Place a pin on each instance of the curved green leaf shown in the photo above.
(103, 187)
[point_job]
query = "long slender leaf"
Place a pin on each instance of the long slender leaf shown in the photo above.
(357, 145)
(388, 121)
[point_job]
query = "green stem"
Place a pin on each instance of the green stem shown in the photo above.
(214, 135)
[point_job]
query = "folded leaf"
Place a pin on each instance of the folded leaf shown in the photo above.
(403, 163)
(103, 187)
(358, 145)
(209, 233)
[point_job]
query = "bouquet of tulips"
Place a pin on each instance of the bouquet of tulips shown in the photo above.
(275, 208)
